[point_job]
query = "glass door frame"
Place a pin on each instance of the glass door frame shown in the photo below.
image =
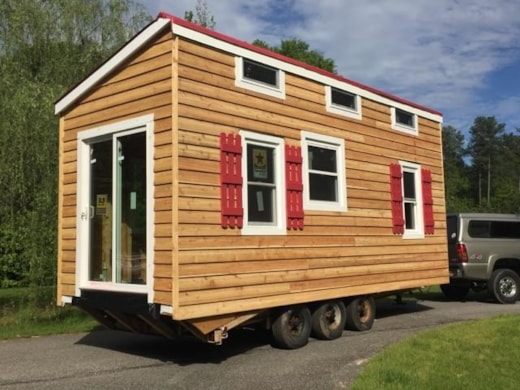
(84, 210)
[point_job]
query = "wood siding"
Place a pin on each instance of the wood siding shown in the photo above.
(337, 253)
(202, 269)
(141, 86)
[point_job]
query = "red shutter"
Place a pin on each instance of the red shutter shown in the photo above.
(429, 223)
(294, 186)
(232, 212)
(397, 199)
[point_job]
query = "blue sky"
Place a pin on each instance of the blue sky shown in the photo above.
(459, 57)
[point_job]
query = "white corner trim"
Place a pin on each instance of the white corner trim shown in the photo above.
(166, 310)
(65, 299)
(130, 48)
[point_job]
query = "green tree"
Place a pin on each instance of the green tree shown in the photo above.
(483, 147)
(300, 50)
(45, 47)
(506, 188)
(202, 16)
(456, 181)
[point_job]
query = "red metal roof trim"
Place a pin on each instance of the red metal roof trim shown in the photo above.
(269, 53)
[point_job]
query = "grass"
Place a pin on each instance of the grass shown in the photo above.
(479, 354)
(30, 312)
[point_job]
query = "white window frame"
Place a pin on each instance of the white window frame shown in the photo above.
(279, 225)
(144, 124)
(342, 110)
(333, 143)
(418, 231)
(277, 91)
(413, 130)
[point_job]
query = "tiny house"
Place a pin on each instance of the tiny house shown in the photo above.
(206, 183)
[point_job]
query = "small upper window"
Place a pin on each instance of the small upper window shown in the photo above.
(259, 77)
(342, 98)
(342, 102)
(262, 73)
(323, 172)
(404, 121)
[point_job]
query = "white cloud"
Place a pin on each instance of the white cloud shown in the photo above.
(437, 53)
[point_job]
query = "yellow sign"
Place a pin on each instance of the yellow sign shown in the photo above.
(260, 163)
(101, 201)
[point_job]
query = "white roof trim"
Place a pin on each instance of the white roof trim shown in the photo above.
(214, 42)
(121, 56)
(294, 69)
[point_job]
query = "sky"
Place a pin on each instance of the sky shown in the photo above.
(459, 57)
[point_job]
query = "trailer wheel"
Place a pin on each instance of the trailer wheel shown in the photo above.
(328, 320)
(504, 285)
(361, 312)
(292, 327)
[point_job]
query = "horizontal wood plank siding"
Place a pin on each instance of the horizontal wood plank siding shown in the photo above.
(337, 253)
(141, 86)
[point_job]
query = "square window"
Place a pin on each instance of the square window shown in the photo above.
(342, 98)
(404, 118)
(404, 121)
(259, 72)
(341, 102)
(323, 172)
(259, 77)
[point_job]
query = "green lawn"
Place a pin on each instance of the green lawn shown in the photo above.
(472, 355)
(28, 312)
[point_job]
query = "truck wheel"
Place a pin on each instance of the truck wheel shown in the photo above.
(361, 312)
(292, 327)
(455, 291)
(504, 285)
(328, 320)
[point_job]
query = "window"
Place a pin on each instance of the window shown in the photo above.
(324, 172)
(494, 229)
(412, 200)
(404, 121)
(263, 192)
(115, 206)
(259, 77)
(343, 102)
(262, 73)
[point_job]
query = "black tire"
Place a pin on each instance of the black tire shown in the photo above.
(456, 291)
(361, 312)
(328, 320)
(504, 285)
(292, 327)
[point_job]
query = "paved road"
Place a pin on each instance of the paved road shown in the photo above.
(114, 360)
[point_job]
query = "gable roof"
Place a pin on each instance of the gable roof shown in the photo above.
(226, 43)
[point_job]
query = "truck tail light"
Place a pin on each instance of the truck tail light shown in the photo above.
(462, 253)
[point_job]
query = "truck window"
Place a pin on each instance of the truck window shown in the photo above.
(505, 229)
(479, 229)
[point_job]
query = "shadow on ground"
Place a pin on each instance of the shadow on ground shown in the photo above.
(183, 351)
(429, 294)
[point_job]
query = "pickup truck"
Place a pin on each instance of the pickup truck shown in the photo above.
(484, 252)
